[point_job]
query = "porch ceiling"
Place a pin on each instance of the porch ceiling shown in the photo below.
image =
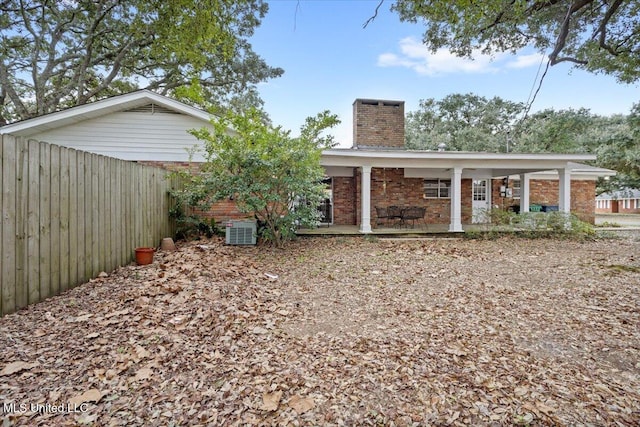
(466, 173)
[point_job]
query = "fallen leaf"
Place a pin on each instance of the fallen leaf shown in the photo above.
(14, 367)
(521, 391)
(271, 401)
(117, 313)
(82, 318)
(142, 352)
(301, 404)
(92, 395)
(143, 374)
(455, 352)
(545, 408)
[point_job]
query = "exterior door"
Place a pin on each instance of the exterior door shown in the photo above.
(481, 200)
(326, 205)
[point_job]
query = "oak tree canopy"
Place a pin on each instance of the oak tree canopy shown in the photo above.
(600, 36)
(57, 54)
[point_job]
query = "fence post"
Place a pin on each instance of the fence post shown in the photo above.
(8, 224)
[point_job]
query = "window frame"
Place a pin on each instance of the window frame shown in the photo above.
(440, 185)
(516, 191)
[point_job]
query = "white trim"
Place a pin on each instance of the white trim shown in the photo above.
(452, 155)
(456, 200)
(525, 188)
(564, 196)
(365, 218)
(100, 108)
(334, 171)
(493, 164)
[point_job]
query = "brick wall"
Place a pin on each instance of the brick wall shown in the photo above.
(390, 187)
(344, 200)
(221, 211)
(378, 123)
(546, 192)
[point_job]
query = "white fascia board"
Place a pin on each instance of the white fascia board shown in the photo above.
(421, 159)
(338, 171)
(451, 155)
(99, 108)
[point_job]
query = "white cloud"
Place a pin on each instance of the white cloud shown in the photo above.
(415, 56)
(524, 61)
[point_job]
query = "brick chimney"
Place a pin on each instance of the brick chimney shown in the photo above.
(378, 124)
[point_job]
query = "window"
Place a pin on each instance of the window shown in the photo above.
(480, 190)
(515, 188)
(437, 188)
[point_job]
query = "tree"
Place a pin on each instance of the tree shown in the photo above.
(596, 35)
(564, 131)
(57, 54)
(465, 122)
(620, 150)
(268, 173)
(473, 123)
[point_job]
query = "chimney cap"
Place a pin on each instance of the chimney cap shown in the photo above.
(383, 102)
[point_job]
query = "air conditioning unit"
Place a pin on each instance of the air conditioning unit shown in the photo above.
(241, 232)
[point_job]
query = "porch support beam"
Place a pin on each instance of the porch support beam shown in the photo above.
(564, 202)
(365, 198)
(524, 192)
(456, 200)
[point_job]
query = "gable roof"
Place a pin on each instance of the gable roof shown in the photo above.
(627, 193)
(96, 109)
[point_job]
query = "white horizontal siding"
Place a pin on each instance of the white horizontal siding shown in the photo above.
(131, 136)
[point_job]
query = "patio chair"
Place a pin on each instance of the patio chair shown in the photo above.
(395, 213)
(413, 214)
(381, 215)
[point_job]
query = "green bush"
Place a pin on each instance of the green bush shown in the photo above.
(533, 225)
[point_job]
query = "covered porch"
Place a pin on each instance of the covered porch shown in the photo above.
(452, 186)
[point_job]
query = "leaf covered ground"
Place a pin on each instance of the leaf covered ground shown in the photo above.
(340, 331)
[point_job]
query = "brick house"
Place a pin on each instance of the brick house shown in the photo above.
(453, 187)
(145, 127)
(624, 201)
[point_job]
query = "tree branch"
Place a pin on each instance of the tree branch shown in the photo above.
(602, 28)
(375, 15)
(564, 31)
(81, 72)
(10, 91)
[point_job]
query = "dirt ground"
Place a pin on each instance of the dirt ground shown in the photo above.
(338, 331)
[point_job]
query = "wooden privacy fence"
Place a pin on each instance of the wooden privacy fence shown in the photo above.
(68, 215)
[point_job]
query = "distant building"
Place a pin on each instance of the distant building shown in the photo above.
(622, 201)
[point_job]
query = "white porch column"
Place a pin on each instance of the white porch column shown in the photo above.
(456, 200)
(524, 192)
(564, 200)
(365, 200)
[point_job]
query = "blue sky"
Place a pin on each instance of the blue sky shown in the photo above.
(330, 60)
